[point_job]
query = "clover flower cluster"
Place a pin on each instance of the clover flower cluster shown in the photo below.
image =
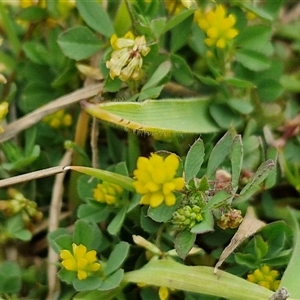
(187, 217)
(126, 60)
(219, 29)
(19, 204)
(107, 192)
(163, 293)
(265, 277)
(59, 119)
(156, 181)
(80, 260)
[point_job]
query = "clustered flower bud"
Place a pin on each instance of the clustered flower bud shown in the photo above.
(187, 216)
(59, 119)
(109, 193)
(231, 219)
(19, 204)
(163, 293)
(265, 277)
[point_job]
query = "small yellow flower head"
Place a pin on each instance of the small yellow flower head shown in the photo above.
(81, 261)
(58, 119)
(265, 277)
(218, 28)
(126, 60)
(14, 205)
(155, 179)
(18, 204)
(163, 293)
(107, 192)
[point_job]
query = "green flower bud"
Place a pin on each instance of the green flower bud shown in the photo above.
(187, 216)
(265, 277)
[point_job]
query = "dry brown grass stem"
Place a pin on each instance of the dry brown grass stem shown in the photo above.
(54, 217)
(34, 117)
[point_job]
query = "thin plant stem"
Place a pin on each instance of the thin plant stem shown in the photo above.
(54, 218)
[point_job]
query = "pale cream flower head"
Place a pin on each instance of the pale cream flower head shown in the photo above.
(126, 60)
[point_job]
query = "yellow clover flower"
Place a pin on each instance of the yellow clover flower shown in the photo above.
(218, 28)
(163, 293)
(126, 60)
(155, 179)
(81, 261)
(107, 192)
(265, 277)
(59, 119)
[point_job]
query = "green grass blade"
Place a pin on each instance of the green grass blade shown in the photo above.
(123, 181)
(157, 116)
(197, 279)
